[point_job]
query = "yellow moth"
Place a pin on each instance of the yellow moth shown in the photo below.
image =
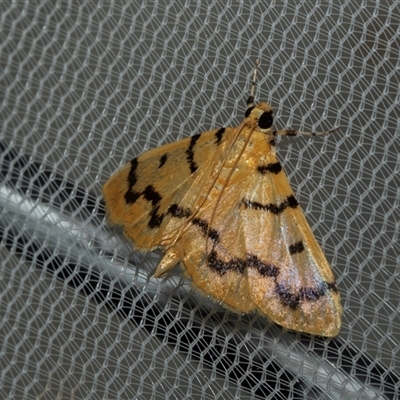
(220, 204)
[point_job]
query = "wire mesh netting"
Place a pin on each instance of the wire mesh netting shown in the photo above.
(87, 86)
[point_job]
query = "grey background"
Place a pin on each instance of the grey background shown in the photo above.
(86, 86)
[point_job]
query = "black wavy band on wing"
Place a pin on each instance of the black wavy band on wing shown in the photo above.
(276, 209)
(291, 300)
(267, 270)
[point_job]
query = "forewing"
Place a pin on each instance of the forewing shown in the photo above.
(154, 194)
(289, 277)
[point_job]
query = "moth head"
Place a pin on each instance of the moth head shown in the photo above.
(259, 117)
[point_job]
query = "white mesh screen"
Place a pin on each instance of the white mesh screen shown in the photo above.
(86, 86)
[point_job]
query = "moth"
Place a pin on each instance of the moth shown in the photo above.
(220, 205)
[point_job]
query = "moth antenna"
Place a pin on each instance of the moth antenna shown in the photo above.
(250, 100)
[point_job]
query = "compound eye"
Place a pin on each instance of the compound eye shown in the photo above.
(266, 120)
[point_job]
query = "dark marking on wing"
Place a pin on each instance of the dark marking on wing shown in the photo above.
(273, 168)
(175, 210)
(332, 286)
(150, 194)
(296, 248)
(163, 160)
(273, 208)
(190, 153)
(292, 300)
(132, 178)
(155, 218)
(264, 269)
(270, 271)
(305, 294)
(221, 267)
(179, 212)
(287, 298)
(313, 294)
(291, 132)
(218, 135)
(131, 196)
(206, 230)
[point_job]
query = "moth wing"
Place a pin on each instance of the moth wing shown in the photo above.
(289, 278)
(214, 255)
(153, 195)
(261, 252)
